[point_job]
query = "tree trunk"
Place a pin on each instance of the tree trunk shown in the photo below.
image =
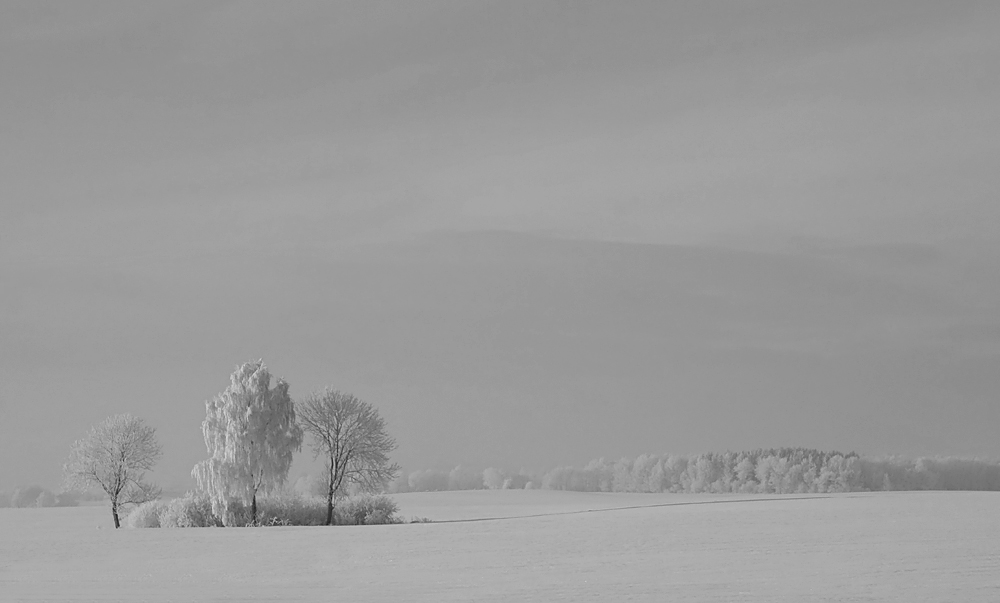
(114, 513)
(329, 507)
(253, 509)
(330, 488)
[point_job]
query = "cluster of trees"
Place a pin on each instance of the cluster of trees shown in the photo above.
(460, 478)
(251, 431)
(37, 496)
(783, 470)
(778, 471)
(253, 428)
(896, 473)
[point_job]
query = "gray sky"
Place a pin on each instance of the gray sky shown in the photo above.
(530, 233)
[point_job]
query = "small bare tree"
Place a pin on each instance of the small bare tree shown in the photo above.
(114, 456)
(351, 437)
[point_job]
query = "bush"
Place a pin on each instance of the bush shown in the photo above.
(279, 509)
(146, 515)
(297, 510)
(191, 511)
(195, 511)
(290, 510)
(367, 509)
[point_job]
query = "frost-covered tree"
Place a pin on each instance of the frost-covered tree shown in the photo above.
(460, 478)
(114, 456)
(642, 471)
(600, 475)
(351, 437)
(493, 478)
(251, 434)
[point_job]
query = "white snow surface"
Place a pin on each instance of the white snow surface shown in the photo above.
(533, 546)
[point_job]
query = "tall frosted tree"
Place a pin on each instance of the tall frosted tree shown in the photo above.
(251, 434)
(351, 437)
(114, 457)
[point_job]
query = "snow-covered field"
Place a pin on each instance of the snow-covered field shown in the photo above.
(551, 546)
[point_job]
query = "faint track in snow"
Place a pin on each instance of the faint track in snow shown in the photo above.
(632, 507)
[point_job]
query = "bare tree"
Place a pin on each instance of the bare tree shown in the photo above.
(351, 437)
(113, 456)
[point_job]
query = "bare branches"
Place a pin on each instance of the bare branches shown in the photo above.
(352, 438)
(113, 457)
(138, 492)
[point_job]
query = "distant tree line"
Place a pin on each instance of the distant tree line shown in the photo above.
(37, 496)
(778, 471)
(461, 478)
(768, 471)
(897, 473)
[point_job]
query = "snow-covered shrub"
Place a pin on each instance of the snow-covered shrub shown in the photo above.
(194, 510)
(238, 515)
(367, 509)
(146, 515)
(291, 510)
(191, 511)
(279, 509)
(379, 517)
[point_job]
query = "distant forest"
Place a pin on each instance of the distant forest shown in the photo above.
(775, 470)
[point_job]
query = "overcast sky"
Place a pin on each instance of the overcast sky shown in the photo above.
(531, 233)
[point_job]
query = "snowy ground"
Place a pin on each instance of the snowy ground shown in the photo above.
(552, 546)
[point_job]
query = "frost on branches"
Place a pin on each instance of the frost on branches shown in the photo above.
(114, 456)
(251, 434)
